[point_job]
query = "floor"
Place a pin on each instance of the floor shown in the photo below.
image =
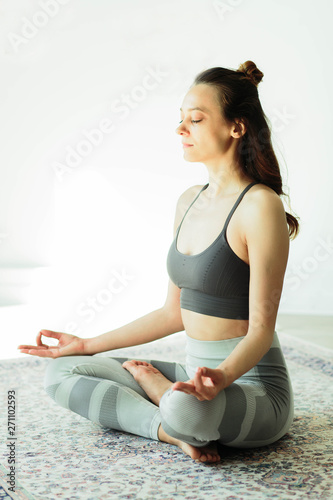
(90, 462)
(317, 330)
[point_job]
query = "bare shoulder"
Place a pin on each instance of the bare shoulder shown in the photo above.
(261, 197)
(263, 208)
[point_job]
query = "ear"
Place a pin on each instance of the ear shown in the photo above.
(238, 129)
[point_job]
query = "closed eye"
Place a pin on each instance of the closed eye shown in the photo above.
(193, 121)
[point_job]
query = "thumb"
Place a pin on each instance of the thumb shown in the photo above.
(206, 371)
(210, 372)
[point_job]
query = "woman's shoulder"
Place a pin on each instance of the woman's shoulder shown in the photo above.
(260, 196)
(260, 204)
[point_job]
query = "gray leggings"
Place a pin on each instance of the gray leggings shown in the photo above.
(255, 410)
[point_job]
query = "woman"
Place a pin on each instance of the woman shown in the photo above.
(234, 388)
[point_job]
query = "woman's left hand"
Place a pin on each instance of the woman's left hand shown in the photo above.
(205, 385)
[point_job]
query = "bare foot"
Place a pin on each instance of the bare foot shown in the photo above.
(154, 383)
(149, 378)
(207, 453)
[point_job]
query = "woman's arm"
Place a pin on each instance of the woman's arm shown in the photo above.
(267, 240)
(154, 325)
(266, 236)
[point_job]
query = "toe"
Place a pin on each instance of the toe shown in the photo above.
(129, 366)
(140, 363)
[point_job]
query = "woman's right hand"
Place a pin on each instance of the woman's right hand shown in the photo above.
(68, 345)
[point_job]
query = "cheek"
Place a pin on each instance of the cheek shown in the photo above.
(221, 138)
(214, 140)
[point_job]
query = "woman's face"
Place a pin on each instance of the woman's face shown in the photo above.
(208, 133)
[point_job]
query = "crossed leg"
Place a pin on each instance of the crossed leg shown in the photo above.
(105, 392)
(155, 384)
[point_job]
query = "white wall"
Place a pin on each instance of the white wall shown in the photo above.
(112, 207)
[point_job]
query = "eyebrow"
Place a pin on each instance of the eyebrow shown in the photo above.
(204, 110)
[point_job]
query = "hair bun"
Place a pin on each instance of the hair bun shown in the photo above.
(251, 71)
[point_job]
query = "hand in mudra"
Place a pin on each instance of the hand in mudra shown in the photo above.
(68, 345)
(205, 385)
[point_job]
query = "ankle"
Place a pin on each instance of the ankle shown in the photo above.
(165, 438)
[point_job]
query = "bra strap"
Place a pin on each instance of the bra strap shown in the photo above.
(205, 186)
(236, 204)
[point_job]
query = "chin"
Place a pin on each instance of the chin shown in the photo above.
(191, 157)
(195, 160)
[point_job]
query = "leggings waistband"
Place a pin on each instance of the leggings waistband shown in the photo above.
(211, 353)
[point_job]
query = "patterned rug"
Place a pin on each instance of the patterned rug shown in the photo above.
(59, 454)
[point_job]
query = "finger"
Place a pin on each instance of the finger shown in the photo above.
(43, 353)
(208, 372)
(213, 374)
(46, 333)
(189, 384)
(201, 389)
(180, 386)
(187, 389)
(32, 347)
(198, 380)
(184, 387)
(39, 338)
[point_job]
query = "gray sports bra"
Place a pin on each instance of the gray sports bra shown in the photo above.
(215, 281)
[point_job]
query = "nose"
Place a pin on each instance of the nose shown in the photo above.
(181, 129)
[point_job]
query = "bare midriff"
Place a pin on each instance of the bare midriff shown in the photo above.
(203, 327)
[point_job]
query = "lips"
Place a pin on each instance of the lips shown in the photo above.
(186, 145)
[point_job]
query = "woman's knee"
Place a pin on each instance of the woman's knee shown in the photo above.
(184, 417)
(58, 369)
(101, 368)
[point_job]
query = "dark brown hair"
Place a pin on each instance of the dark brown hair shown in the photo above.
(239, 100)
